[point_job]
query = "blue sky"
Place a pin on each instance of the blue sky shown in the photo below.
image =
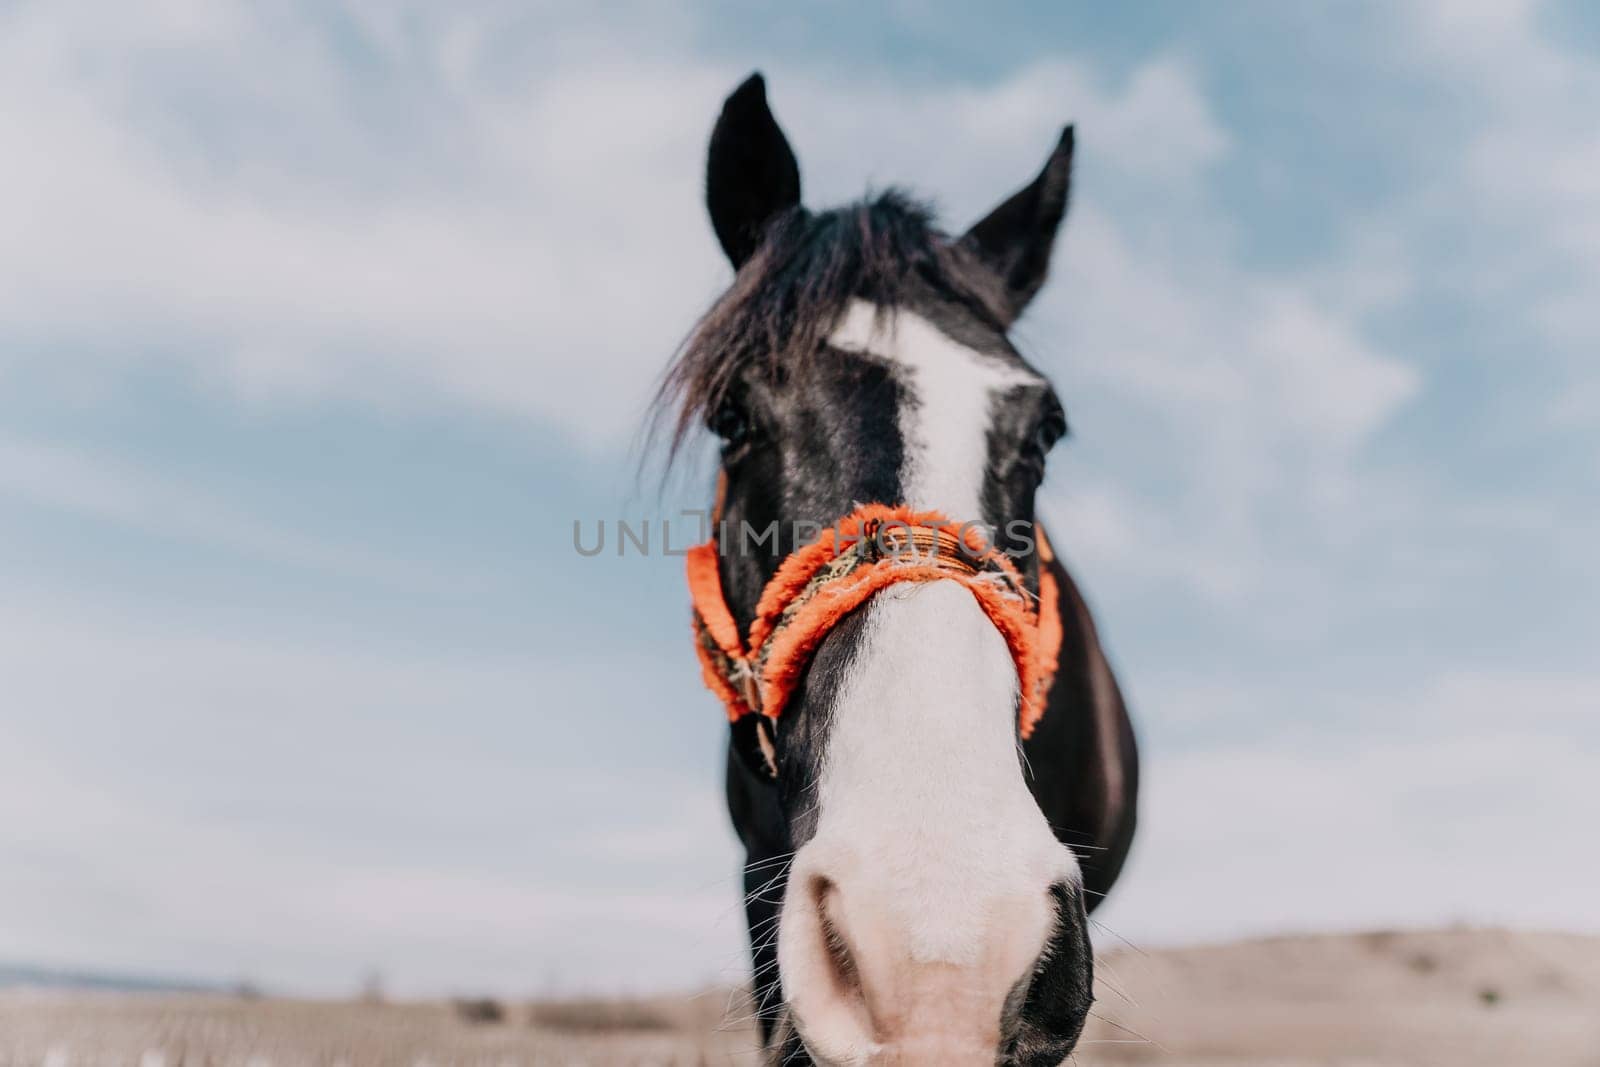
(320, 324)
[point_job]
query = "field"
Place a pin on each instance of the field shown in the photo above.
(1460, 998)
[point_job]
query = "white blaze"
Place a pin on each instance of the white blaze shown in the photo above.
(924, 811)
(946, 427)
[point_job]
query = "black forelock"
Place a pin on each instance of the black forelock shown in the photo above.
(788, 296)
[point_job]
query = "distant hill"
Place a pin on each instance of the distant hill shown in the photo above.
(1432, 998)
(30, 976)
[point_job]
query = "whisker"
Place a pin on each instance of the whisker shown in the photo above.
(1098, 925)
(1130, 1030)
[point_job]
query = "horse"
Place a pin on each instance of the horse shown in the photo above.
(921, 858)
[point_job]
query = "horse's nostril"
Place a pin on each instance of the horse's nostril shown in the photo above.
(836, 945)
(822, 959)
(1044, 1023)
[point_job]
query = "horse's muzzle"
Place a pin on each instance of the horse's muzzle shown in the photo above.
(861, 991)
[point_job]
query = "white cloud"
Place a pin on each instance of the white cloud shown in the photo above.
(1465, 802)
(231, 805)
(128, 496)
(1328, 384)
(1520, 174)
(1260, 391)
(534, 245)
(101, 879)
(549, 276)
(1247, 399)
(540, 248)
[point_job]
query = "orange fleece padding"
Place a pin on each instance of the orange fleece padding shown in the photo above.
(796, 610)
(705, 588)
(1048, 639)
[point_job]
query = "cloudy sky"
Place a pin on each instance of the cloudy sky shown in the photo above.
(321, 323)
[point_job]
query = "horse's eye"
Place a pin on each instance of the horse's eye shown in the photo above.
(1051, 429)
(730, 423)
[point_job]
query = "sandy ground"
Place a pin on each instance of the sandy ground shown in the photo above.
(1461, 998)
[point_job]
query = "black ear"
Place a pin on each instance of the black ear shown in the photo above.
(751, 173)
(1016, 237)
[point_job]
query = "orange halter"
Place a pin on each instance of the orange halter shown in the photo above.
(819, 583)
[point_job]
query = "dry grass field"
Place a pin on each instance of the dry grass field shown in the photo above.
(1460, 998)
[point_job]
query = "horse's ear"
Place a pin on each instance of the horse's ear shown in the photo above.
(751, 173)
(1016, 237)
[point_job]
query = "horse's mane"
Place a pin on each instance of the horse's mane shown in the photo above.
(786, 299)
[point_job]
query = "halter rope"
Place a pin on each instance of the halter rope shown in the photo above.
(819, 583)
